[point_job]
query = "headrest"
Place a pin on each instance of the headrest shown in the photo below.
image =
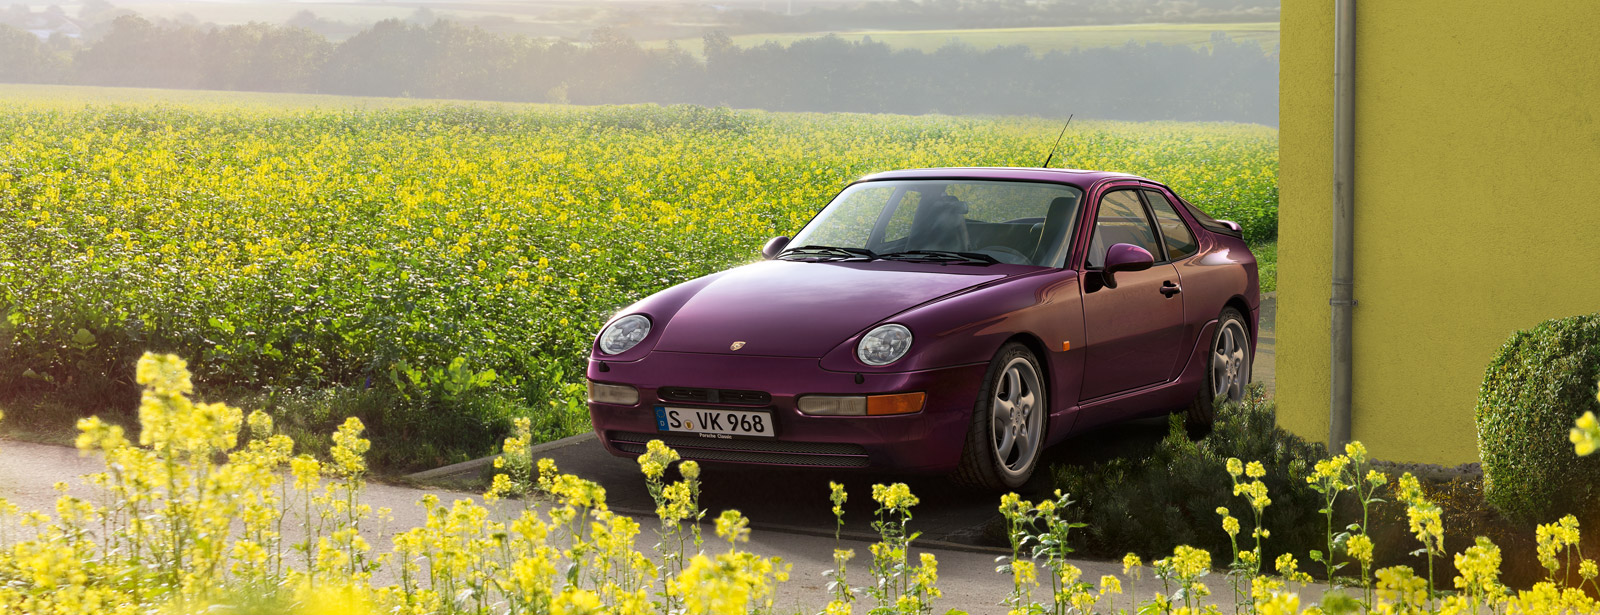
(947, 203)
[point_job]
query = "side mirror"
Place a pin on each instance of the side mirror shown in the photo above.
(773, 247)
(1232, 226)
(1124, 257)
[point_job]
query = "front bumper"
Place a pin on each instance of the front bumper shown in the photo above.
(927, 441)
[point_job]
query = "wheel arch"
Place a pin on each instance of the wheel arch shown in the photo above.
(1042, 355)
(1238, 302)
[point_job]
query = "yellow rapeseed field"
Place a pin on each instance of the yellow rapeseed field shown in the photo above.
(441, 249)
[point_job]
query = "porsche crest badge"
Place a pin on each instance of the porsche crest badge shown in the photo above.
(736, 346)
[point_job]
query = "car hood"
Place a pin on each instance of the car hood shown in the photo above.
(805, 309)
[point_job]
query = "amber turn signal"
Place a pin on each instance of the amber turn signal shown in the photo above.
(903, 403)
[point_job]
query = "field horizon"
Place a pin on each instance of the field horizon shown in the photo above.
(1039, 39)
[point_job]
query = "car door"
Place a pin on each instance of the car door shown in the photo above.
(1134, 331)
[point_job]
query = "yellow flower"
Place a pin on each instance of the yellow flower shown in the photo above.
(573, 601)
(1479, 568)
(1279, 604)
(1359, 547)
(733, 527)
(656, 458)
(1188, 561)
(1289, 569)
(1024, 572)
(1130, 562)
(1585, 435)
(896, 496)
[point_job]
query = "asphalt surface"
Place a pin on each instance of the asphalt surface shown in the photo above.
(789, 508)
(967, 578)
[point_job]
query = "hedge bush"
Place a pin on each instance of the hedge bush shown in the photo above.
(1537, 385)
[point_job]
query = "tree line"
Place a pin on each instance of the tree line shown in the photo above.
(1228, 81)
(955, 14)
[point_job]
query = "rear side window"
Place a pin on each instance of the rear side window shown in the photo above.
(1121, 219)
(1209, 222)
(1175, 234)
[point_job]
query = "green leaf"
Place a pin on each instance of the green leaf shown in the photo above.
(83, 339)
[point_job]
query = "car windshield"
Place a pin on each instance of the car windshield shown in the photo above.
(1022, 223)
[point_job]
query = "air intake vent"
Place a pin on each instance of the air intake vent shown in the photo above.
(714, 396)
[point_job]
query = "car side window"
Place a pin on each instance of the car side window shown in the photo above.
(1121, 219)
(1175, 234)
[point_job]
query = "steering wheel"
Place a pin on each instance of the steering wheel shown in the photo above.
(1005, 254)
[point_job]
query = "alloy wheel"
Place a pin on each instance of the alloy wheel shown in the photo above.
(1230, 362)
(1017, 419)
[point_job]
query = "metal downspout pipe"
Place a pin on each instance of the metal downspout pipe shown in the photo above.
(1342, 301)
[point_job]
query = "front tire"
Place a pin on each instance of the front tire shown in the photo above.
(1008, 423)
(1227, 371)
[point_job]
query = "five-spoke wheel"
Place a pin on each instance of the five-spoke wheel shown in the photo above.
(1008, 423)
(1228, 374)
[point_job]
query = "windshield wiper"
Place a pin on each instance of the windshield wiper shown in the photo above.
(829, 251)
(941, 256)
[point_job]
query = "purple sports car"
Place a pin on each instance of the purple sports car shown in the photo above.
(940, 320)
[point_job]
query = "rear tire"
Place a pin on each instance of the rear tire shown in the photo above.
(1007, 433)
(1227, 373)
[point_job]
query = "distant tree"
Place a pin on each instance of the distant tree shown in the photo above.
(422, 17)
(16, 15)
(91, 10)
(1227, 80)
(290, 60)
(467, 62)
(264, 58)
(388, 59)
(137, 52)
(24, 59)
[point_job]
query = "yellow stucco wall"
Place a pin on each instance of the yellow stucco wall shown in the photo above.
(1477, 198)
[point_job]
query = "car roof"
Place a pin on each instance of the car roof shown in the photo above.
(1080, 177)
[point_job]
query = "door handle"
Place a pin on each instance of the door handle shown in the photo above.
(1169, 289)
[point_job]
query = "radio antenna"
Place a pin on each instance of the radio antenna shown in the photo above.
(1047, 159)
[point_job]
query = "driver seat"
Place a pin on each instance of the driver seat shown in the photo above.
(1052, 240)
(940, 224)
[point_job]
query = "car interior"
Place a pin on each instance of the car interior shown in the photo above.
(940, 223)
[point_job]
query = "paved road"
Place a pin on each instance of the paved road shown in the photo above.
(1266, 348)
(789, 507)
(967, 577)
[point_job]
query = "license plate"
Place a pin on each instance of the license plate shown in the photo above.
(709, 423)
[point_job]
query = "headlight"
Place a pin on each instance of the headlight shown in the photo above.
(624, 334)
(884, 345)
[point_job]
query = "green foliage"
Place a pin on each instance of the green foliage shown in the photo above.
(1538, 384)
(426, 262)
(1152, 504)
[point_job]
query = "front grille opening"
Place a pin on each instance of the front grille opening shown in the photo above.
(714, 396)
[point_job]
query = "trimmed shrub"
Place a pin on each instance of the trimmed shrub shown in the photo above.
(1537, 385)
